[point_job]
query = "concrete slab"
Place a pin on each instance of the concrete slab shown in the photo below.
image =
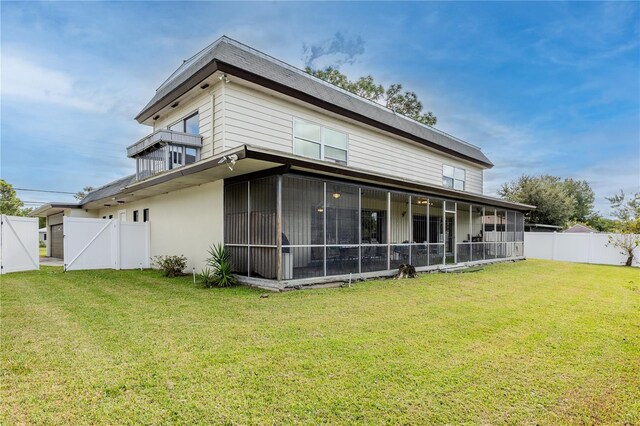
(51, 261)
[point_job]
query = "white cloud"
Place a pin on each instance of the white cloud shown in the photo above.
(28, 81)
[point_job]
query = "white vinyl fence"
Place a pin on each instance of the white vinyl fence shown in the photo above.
(19, 246)
(580, 248)
(105, 244)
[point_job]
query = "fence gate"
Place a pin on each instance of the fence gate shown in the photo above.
(105, 244)
(19, 245)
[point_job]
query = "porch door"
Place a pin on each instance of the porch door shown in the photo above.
(449, 237)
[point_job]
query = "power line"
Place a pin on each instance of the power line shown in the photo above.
(44, 190)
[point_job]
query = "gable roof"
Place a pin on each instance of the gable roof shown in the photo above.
(229, 56)
(579, 228)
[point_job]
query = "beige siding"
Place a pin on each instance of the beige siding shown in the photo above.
(256, 118)
(218, 120)
(203, 105)
(183, 222)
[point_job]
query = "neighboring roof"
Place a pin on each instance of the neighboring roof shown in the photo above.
(229, 56)
(52, 208)
(109, 189)
(165, 182)
(42, 229)
(579, 228)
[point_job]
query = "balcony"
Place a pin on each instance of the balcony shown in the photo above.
(164, 150)
(161, 138)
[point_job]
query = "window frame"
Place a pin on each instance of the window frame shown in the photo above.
(322, 142)
(452, 178)
(183, 120)
(136, 214)
(145, 215)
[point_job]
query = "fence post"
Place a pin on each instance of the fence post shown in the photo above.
(148, 243)
(553, 245)
(115, 251)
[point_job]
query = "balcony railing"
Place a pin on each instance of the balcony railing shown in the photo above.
(163, 137)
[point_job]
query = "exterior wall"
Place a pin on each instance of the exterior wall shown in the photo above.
(203, 104)
(184, 222)
(255, 118)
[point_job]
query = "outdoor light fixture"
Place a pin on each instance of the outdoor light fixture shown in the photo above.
(224, 78)
(320, 209)
(423, 201)
(336, 195)
(230, 160)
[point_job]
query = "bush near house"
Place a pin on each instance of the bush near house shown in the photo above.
(219, 270)
(171, 266)
(533, 342)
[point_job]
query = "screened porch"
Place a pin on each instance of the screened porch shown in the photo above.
(291, 226)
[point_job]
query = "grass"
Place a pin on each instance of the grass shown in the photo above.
(533, 342)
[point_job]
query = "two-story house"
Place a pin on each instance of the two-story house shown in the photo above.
(298, 178)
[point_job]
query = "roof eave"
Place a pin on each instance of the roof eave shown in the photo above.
(216, 65)
(41, 211)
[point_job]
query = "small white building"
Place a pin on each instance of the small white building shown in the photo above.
(42, 235)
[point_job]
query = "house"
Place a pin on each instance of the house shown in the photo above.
(540, 227)
(301, 180)
(579, 228)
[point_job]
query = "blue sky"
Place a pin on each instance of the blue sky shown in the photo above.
(541, 87)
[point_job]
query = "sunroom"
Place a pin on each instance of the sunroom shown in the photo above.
(296, 226)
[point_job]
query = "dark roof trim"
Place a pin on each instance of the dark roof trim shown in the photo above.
(328, 168)
(217, 65)
(178, 91)
(280, 88)
(53, 205)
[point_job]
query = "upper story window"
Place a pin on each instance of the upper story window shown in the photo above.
(316, 141)
(453, 177)
(190, 124)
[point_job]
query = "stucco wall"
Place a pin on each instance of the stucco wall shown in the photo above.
(184, 222)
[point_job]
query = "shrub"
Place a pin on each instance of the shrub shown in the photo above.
(171, 266)
(222, 274)
(207, 277)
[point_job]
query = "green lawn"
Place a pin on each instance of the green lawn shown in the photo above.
(532, 342)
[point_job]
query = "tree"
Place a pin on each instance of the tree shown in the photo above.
(628, 213)
(81, 194)
(554, 204)
(10, 204)
(601, 224)
(405, 103)
(583, 198)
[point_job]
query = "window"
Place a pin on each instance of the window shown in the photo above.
(135, 215)
(453, 177)
(145, 215)
(315, 141)
(190, 124)
(181, 156)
